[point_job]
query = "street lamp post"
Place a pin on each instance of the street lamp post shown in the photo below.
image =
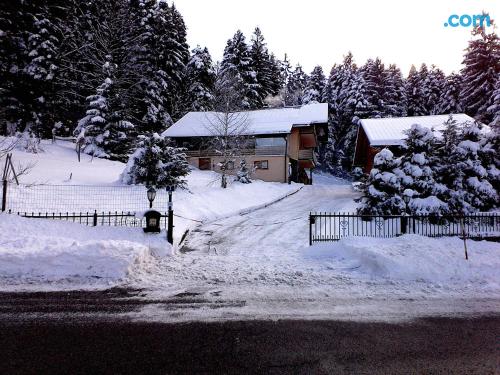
(404, 219)
(151, 196)
(170, 231)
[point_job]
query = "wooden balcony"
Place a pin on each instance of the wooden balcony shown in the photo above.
(306, 154)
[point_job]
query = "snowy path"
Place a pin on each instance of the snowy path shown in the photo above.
(283, 225)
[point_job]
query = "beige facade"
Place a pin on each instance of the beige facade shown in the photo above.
(277, 170)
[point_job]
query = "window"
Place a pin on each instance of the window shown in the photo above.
(261, 164)
(230, 165)
(269, 142)
(205, 164)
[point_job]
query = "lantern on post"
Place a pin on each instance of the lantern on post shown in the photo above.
(151, 196)
(170, 231)
(407, 195)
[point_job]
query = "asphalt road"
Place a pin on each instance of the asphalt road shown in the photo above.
(87, 346)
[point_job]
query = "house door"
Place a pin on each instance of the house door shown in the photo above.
(205, 164)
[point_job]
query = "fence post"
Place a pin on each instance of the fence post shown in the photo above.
(4, 195)
(311, 222)
(95, 218)
(404, 224)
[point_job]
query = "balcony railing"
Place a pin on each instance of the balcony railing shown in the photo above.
(306, 154)
(259, 151)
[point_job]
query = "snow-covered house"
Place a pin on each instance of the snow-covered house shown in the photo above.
(279, 144)
(377, 133)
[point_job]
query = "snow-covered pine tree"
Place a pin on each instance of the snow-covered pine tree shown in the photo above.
(285, 69)
(200, 77)
(449, 102)
(173, 55)
(382, 193)
(394, 92)
(415, 93)
(470, 190)
(295, 86)
(373, 73)
(262, 66)
(315, 86)
(156, 162)
(243, 174)
(277, 82)
(433, 89)
(13, 58)
(490, 157)
(345, 94)
(480, 73)
(494, 108)
(92, 130)
(236, 62)
(152, 85)
(417, 172)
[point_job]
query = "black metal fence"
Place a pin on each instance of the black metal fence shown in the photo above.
(126, 219)
(325, 226)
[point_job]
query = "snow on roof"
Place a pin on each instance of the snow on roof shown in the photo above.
(389, 131)
(259, 122)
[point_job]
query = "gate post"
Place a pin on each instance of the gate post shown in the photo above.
(4, 195)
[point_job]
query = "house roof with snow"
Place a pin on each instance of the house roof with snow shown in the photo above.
(259, 122)
(390, 131)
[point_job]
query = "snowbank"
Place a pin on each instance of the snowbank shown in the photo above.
(37, 250)
(413, 258)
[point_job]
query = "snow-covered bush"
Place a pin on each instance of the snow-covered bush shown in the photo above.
(382, 192)
(29, 142)
(156, 162)
(243, 174)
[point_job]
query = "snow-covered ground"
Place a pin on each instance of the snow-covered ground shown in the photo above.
(55, 192)
(246, 249)
(263, 259)
(50, 254)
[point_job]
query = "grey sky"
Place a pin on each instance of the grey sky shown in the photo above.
(320, 32)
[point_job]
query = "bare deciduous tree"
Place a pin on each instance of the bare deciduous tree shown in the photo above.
(227, 126)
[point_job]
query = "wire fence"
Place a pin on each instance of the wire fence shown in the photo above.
(80, 198)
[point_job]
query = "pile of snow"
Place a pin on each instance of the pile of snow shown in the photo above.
(413, 258)
(39, 250)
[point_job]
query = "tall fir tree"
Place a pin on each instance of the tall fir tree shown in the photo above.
(261, 65)
(494, 108)
(373, 73)
(295, 86)
(345, 94)
(415, 93)
(449, 102)
(395, 101)
(315, 86)
(200, 77)
(433, 86)
(481, 69)
(236, 63)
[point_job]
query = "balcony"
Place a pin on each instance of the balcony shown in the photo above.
(306, 154)
(259, 151)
